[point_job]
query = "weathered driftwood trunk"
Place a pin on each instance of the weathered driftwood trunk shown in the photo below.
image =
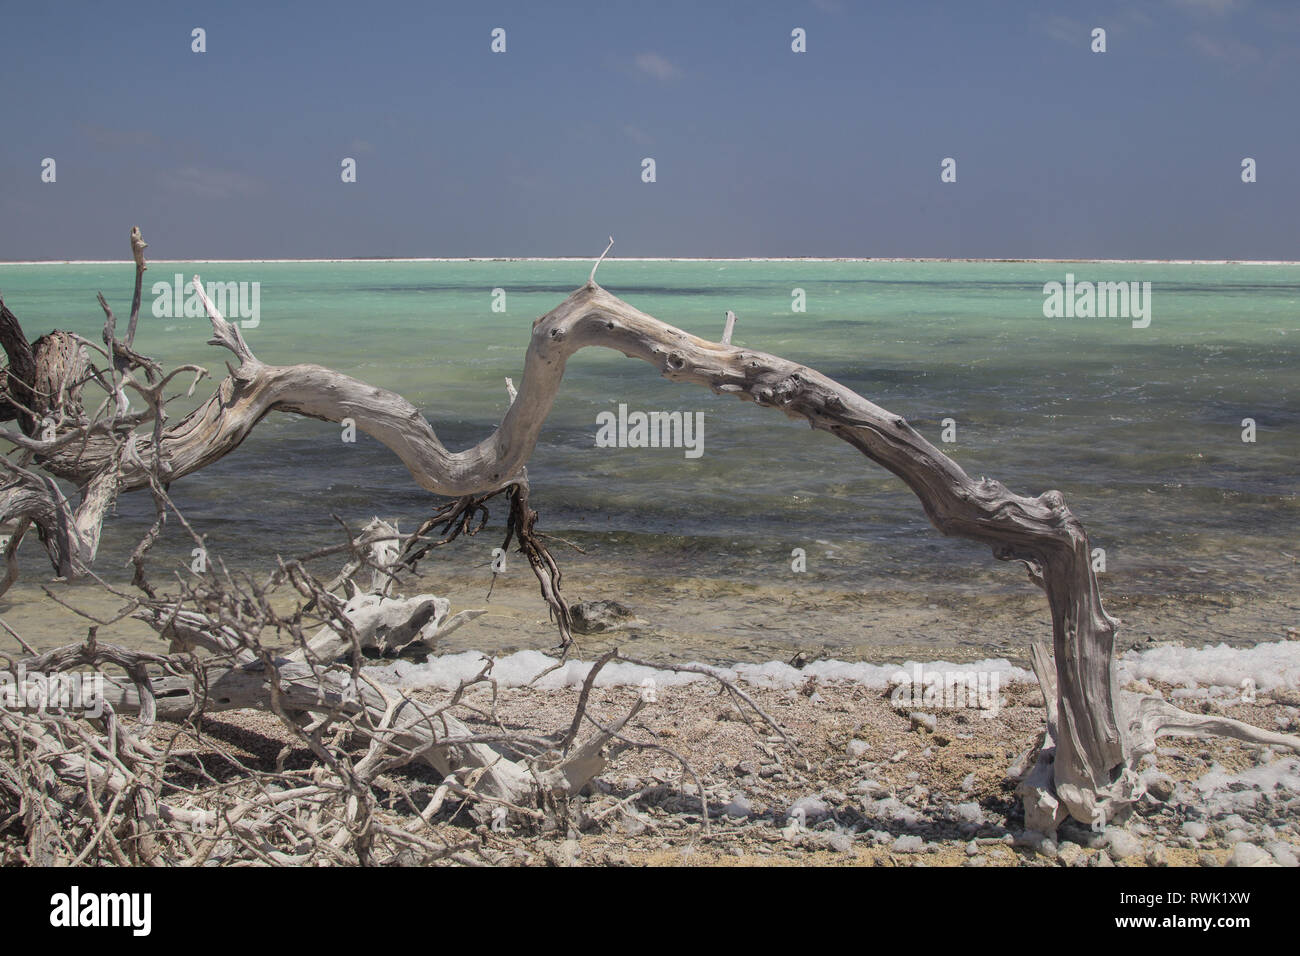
(1085, 764)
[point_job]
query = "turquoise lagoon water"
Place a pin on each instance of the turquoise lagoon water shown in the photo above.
(1141, 429)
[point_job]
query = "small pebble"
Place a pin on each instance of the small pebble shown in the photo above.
(1121, 843)
(1069, 853)
(1284, 853)
(1247, 854)
(908, 843)
(840, 843)
(922, 721)
(1196, 830)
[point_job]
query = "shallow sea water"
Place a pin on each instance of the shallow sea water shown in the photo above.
(1139, 428)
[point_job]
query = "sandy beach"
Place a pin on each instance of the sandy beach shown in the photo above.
(870, 784)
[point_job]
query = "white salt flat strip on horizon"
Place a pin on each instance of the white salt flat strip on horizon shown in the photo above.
(588, 259)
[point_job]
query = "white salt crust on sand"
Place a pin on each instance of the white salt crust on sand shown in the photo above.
(1270, 666)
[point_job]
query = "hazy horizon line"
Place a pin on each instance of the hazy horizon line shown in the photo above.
(375, 259)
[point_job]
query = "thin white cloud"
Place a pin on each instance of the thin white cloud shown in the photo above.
(1067, 31)
(636, 134)
(110, 137)
(1225, 49)
(1209, 8)
(204, 183)
(660, 67)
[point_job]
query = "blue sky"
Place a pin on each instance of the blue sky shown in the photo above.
(1061, 152)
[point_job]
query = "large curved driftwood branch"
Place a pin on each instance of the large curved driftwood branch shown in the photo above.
(1085, 764)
